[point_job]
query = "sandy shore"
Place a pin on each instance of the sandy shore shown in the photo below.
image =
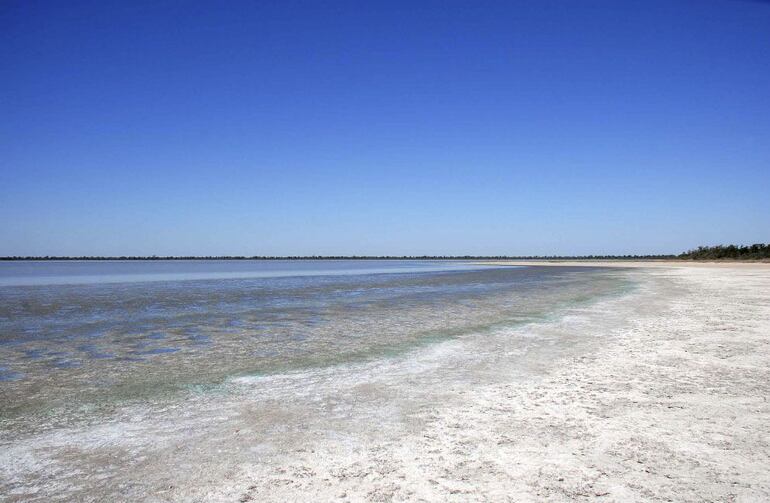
(723, 264)
(657, 395)
(668, 402)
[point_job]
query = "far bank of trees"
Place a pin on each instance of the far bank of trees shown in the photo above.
(748, 252)
(757, 251)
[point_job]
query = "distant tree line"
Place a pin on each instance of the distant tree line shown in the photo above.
(757, 251)
(720, 252)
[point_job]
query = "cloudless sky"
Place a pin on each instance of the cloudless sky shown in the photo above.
(282, 127)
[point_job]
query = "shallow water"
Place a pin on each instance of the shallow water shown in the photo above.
(90, 335)
(72, 338)
(119, 356)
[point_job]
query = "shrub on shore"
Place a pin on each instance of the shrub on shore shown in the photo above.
(756, 251)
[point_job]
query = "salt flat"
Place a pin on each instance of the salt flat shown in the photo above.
(656, 394)
(669, 402)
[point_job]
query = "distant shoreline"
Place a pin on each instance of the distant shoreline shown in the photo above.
(722, 253)
(530, 260)
(340, 257)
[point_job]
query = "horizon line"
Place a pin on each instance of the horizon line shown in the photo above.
(329, 257)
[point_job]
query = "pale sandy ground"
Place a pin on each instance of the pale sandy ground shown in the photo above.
(658, 395)
(720, 264)
(671, 404)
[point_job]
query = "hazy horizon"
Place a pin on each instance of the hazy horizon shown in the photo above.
(393, 128)
(299, 257)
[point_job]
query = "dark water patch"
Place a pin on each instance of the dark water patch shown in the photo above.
(100, 356)
(313, 321)
(33, 354)
(199, 339)
(93, 352)
(141, 344)
(7, 375)
(258, 326)
(129, 359)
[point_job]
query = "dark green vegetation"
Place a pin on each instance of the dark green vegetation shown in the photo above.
(757, 251)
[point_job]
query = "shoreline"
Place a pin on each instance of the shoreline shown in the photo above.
(667, 402)
(631, 263)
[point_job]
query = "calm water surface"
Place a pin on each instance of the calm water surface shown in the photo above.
(80, 338)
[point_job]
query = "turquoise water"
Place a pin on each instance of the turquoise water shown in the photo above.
(80, 338)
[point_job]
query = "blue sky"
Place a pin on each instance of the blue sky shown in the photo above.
(281, 127)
